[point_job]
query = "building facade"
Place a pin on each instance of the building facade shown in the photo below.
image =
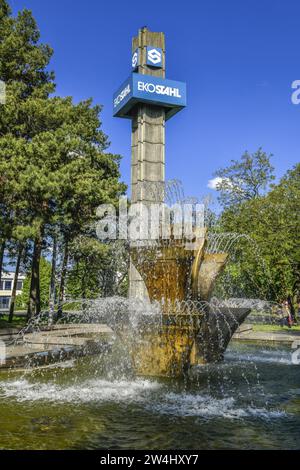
(6, 287)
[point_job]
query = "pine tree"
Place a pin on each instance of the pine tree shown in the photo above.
(54, 167)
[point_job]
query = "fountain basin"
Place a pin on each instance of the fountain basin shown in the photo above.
(168, 346)
(192, 331)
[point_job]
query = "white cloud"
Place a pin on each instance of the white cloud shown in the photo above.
(213, 183)
(228, 184)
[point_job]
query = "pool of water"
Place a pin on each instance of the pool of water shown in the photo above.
(251, 401)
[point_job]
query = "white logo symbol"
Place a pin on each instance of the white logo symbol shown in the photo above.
(134, 59)
(154, 56)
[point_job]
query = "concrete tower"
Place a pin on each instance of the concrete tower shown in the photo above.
(148, 99)
(148, 125)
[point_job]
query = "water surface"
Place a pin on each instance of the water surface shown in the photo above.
(251, 401)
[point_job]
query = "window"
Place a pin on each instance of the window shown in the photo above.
(4, 302)
(7, 285)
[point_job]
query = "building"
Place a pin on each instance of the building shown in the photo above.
(6, 286)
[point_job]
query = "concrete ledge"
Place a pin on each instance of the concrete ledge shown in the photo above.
(265, 336)
(243, 328)
(58, 343)
(9, 331)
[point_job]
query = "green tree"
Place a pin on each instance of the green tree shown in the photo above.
(98, 269)
(270, 264)
(89, 258)
(23, 62)
(53, 165)
(245, 179)
(45, 275)
(61, 175)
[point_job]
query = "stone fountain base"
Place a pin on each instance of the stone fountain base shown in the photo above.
(181, 280)
(182, 341)
(165, 351)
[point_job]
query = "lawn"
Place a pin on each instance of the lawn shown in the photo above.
(18, 322)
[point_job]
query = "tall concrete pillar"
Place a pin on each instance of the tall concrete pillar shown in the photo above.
(147, 144)
(148, 128)
(148, 99)
(147, 154)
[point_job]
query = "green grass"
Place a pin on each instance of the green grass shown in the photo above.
(271, 328)
(18, 322)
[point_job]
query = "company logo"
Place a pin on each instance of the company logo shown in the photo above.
(158, 89)
(135, 59)
(139, 87)
(122, 95)
(154, 56)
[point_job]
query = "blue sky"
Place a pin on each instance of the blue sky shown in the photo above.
(238, 57)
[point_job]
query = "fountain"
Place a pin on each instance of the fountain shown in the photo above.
(191, 330)
(181, 280)
(173, 275)
(170, 323)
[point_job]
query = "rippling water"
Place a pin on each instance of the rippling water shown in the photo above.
(252, 400)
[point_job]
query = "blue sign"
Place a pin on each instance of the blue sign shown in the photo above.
(139, 88)
(154, 56)
(122, 97)
(135, 59)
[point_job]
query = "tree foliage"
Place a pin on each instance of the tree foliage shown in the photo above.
(54, 166)
(268, 262)
(244, 179)
(45, 273)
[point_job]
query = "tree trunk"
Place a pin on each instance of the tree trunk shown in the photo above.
(292, 307)
(296, 295)
(52, 295)
(15, 283)
(2, 249)
(63, 279)
(34, 304)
